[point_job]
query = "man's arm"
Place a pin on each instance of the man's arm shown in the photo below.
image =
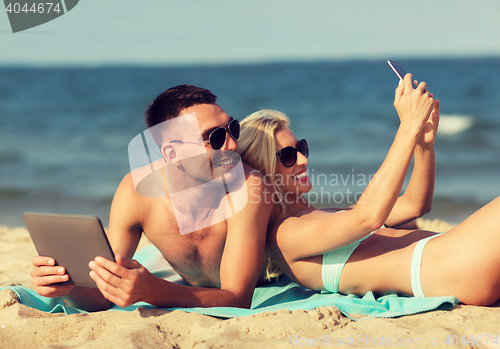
(127, 282)
(245, 243)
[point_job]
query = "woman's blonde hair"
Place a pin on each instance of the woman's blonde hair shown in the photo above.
(256, 144)
(257, 148)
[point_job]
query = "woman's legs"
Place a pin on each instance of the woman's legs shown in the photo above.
(465, 262)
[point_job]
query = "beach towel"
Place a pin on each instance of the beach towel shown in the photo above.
(282, 294)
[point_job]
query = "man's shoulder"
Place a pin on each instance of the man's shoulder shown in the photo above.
(127, 195)
(126, 185)
(135, 207)
(252, 173)
(255, 179)
(259, 187)
(150, 186)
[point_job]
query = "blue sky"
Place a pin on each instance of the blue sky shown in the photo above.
(160, 32)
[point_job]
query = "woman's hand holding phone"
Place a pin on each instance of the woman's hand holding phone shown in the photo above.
(413, 105)
(429, 129)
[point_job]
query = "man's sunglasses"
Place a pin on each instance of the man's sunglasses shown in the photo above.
(288, 155)
(217, 137)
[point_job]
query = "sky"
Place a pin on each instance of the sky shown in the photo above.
(193, 32)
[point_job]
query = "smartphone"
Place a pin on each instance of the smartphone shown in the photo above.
(398, 69)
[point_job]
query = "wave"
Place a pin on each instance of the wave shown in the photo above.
(450, 125)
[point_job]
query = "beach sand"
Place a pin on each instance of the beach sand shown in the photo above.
(24, 327)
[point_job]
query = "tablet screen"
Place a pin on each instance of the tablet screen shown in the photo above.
(72, 240)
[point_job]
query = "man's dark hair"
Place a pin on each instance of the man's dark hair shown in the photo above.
(169, 104)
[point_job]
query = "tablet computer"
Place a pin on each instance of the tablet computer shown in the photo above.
(72, 240)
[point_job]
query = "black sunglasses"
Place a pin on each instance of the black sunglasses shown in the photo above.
(217, 137)
(288, 155)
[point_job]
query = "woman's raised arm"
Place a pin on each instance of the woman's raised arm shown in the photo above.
(417, 199)
(329, 232)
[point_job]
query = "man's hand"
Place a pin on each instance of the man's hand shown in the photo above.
(124, 282)
(47, 276)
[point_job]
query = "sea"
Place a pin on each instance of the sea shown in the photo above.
(64, 132)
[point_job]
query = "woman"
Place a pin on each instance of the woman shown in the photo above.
(354, 251)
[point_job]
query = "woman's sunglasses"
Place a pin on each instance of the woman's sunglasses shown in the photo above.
(288, 155)
(217, 137)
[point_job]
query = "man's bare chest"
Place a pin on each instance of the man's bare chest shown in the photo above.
(196, 256)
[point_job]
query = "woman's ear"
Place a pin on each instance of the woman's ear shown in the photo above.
(169, 154)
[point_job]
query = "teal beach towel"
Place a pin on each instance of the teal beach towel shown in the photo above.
(282, 294)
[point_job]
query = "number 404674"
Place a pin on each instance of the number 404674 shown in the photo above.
(474, 340)
(40, 7)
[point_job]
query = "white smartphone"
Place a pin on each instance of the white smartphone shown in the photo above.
(398, 69)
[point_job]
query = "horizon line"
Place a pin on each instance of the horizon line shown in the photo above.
(142, 64)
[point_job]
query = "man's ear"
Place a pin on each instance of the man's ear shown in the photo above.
(169, 154)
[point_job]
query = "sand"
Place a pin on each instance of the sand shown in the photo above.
(24, 327)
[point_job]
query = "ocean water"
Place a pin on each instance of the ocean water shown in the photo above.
(64, 132)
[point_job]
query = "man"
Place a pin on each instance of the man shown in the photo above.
(223, 260)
